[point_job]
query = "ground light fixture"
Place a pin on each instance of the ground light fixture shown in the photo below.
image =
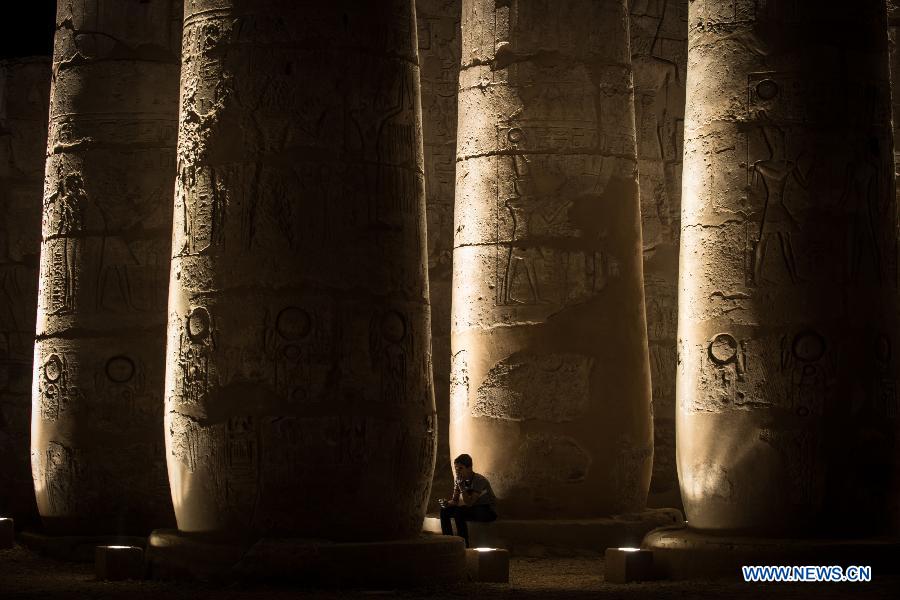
(488, 564)
(115, 563)
(7, 532)
(628, 564)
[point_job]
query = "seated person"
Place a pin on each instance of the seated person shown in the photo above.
(472, 500)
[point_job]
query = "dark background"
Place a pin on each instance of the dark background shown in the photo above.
(28, 29)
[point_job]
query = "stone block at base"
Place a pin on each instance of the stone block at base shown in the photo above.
(74, 548)
(624, 565)
(488, 564)
(116, 563)
(423, 561)
(558, 537)
(683, 553)
(7, 533)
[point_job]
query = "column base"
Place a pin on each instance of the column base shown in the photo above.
(564, 537)
(683, 553)
(424, 561)
(74, 548)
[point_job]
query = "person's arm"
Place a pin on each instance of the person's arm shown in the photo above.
(470, 497)
(454, 498)
(475, 491)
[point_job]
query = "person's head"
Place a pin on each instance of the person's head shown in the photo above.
(462, 466)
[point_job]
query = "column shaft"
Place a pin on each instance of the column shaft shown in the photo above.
(659, 59)
(550, 375)
(299, 390)
(787, 402)
(24, 94)
(439, 48)
(97, 444)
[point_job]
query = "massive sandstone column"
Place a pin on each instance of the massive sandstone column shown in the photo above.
(24, 92)
(551, 384)
(299, 397)
(787, 392)
(97, 443)
(659, 59)
(893, 12)
(439, 47)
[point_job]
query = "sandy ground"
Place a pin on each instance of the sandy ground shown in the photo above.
(26, 575)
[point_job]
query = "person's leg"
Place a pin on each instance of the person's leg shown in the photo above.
(446, 514)
(460, 515)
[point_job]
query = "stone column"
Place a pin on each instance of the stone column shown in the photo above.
(299, 398)
(550, 389)
(97, 443)
(659, 60)
(893, 12)
(787, 391)
(24, 93)
(439, 48)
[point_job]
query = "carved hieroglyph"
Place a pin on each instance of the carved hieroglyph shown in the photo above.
(550, 388)
(659, 59)
(24, 92)
(97, 445)
(299, 397)
(787, 400)
(439, 47)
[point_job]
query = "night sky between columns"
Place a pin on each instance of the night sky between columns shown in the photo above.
(30, 33)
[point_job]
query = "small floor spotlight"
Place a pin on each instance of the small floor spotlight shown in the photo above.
(628, 564)
(115, 563)
(488, 564)
(7, 533)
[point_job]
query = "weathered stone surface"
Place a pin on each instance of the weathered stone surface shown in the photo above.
(659, 59)
(439, 48)
(683, 553)
(424, 561)
(24, 92)
(97, 445)
(550, 387)
(299, 396)
(893, 12)
(787, 404)
(565, 537)
(74, 548)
